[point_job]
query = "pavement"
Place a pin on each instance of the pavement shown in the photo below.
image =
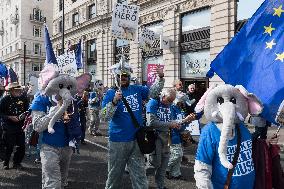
(88, 170)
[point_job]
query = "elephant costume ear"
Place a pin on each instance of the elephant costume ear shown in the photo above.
(49, 72)
(83, 82)
(254, 104)
(201, 103)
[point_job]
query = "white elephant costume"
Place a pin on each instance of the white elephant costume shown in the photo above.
(225, 108)
(48, 109)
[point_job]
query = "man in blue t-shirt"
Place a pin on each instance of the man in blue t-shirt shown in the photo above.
(123, 148)
(161, 116)
(207, 160)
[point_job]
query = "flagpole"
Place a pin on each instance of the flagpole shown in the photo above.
(63, 26)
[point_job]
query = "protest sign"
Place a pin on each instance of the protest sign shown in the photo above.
(194, 128)
(125, 21)
(164, 42)
(146, 38)
(151, 73)
(67, 64)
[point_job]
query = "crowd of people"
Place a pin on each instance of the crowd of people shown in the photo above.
(166, 110)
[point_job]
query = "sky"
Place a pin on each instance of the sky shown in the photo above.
(246, 8)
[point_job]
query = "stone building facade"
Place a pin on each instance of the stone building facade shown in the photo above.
(197, 30)
(22, 22)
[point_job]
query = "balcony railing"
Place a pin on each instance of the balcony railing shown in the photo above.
(37, 18)
(14, 18)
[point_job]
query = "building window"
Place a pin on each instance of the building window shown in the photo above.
(75, 19)
(92, 11)
(60, 5)
(11, 49)
(17, 46)
(196, 20)
(155, 54)
(60, 28)
(36, 67)
(37, 14)
(16, 30)
(91, 52)
(37, 48)
(37, 31)
(195, 44)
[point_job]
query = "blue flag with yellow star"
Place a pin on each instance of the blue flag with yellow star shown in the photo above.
(255, 59)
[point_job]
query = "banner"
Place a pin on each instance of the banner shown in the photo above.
(151, 73)
(67, 63)
(125, 21)
(146, 38)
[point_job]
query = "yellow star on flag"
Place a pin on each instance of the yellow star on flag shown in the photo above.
(278, 11)
(280, 57)
(270, 44)
(268, 29)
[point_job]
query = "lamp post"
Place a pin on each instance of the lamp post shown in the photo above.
(63, 18)
(25, 63)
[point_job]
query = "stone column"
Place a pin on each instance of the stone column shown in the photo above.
(223, 18)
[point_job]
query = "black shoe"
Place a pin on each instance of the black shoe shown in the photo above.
(83, 142)
(18, 166)
(6, 167)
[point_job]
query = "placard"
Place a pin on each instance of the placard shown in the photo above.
(194, 128)
(151, 73)
(146, 38)
(125, 21)
(67, 64)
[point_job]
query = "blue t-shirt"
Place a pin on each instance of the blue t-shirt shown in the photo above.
(60, 137)
(97, 103)
(178, 114)
(163, 112)
(207, 152)
(121, 128)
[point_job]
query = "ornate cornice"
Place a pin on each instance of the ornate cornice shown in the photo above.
(194, 4)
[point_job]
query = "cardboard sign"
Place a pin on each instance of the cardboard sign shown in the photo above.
(164, 43)
(125, 21)
(146, 38)
(194, 128)
(67, 64)
(151, 73)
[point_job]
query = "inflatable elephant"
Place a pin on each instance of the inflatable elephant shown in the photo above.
(225, 108)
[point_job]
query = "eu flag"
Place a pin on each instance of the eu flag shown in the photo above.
(255, 58)
(50, 57)
(78, 55)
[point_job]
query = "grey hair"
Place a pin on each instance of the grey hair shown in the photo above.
(168, 92)
(176, 82)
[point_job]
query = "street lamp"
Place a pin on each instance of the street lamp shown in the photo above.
(25, 62)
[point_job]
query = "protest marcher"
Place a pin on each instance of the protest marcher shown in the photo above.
(95, 100)
(82, 102)
(224, 154)
(13, 108)
(55, 114)
(260, 125)
(2, 145)
(123, 147)
(176, 150)
(160, 116)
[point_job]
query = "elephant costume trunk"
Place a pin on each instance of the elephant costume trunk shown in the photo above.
(67, 98)
(228, 113)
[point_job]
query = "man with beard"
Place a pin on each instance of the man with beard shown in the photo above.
(123, 148)
(13, 108)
